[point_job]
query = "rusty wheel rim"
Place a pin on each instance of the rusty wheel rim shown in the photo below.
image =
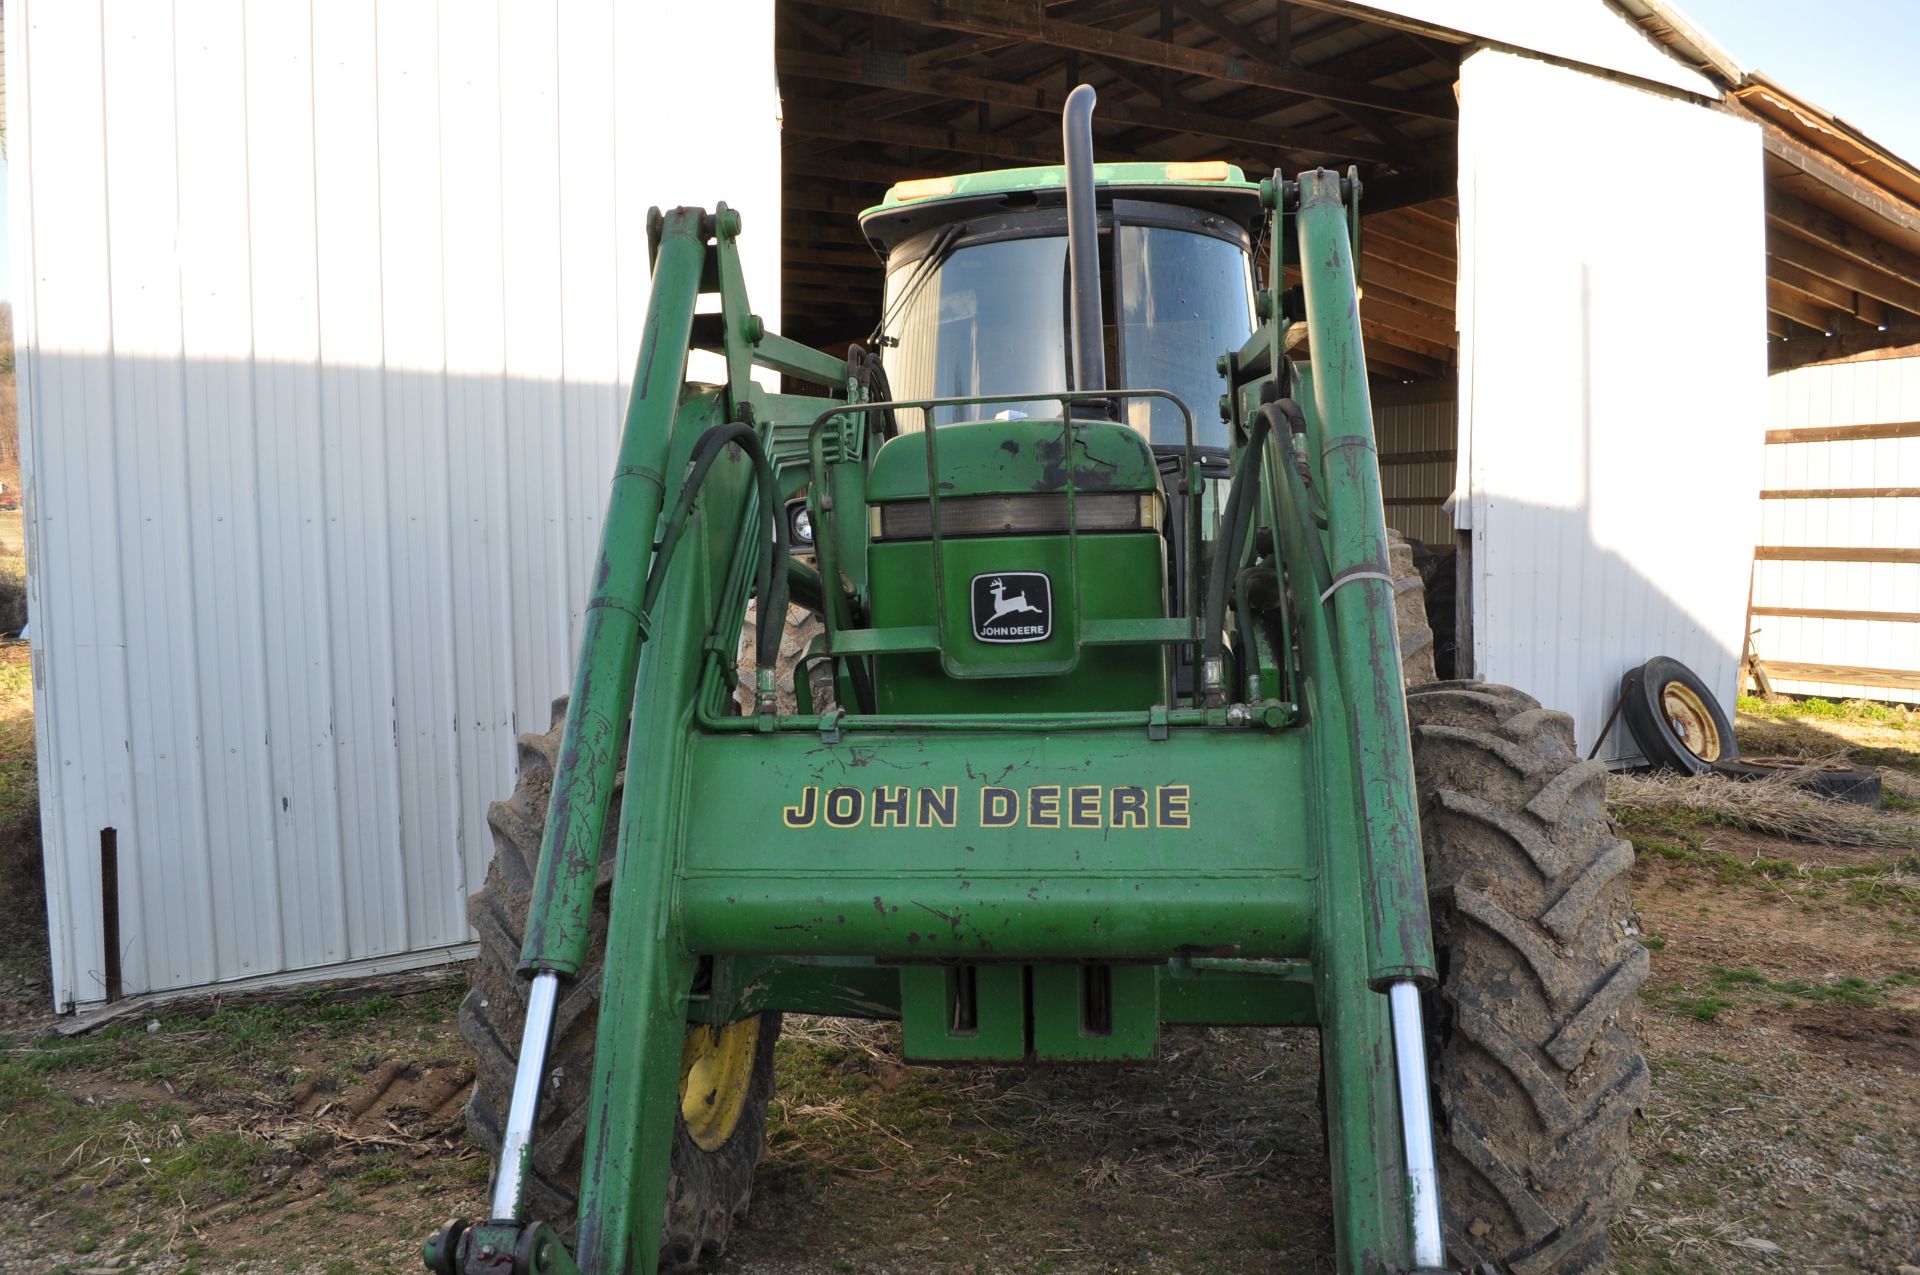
(1691, 721)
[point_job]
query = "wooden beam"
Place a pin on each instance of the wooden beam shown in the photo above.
(1833, 553)
(1150, 52)
(1839, 493)
(1390, 272)
(877, 72)
(1840, 236)
(1376, 329)
(1814, 613)
(1375, 306)
(1844, 674)
(1844, 271)
(1814, 287)
(1839, 179)
(1372, 288)
(1402, 226)
(818, 119)
(1375, 122)
(1845, 433)
(1784, 300)
(1784, 356)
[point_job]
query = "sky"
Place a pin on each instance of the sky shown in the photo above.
(1854, 58)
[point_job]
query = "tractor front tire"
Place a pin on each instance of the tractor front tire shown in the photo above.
(1535, 1067)
(712, 1164)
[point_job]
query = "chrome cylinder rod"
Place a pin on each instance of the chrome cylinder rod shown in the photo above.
(509, 1183)
(1416, 1124)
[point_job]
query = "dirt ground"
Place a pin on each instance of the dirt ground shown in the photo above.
(322, 1134)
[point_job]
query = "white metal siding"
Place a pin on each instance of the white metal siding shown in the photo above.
(1411, 430)
(1610, 447)
(1876, 392)
(325, 312)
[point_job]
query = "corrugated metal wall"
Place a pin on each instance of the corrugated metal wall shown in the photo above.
(1841, 399)
(1417, 456)
(325, 314)
(1611, 463)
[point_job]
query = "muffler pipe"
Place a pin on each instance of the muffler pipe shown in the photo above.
(1083, 242)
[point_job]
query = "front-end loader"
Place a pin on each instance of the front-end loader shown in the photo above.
(1118, 712)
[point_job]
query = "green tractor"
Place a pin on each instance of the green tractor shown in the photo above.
(1119, 712)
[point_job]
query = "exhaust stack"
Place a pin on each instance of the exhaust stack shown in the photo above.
(1083, 242)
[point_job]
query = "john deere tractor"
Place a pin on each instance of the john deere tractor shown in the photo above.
(1119, 713)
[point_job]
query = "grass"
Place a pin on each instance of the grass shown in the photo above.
(1787, 710)
(1724, 988)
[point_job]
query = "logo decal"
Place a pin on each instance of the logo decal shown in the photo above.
(1012, 606)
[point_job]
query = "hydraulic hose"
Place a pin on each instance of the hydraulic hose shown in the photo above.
(1233, 530)
(770, 576)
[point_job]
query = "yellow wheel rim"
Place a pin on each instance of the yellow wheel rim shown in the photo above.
(716, 1070)
(1691, 721)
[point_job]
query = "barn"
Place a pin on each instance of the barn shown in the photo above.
(325, 313)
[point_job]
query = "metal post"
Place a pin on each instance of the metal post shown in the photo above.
(1416, 1124)
(509, 1187)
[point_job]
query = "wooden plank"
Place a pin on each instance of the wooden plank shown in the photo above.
(1839, 493)
(1844, 433)
(1840, 235)
(1817, 288)
(1388, 271)
(1785, 301)
(1377, 306)
(819, 119)
(1813, 613)
(1839, 179)
(1419, 232)
(1374, 329)
(1434, 501)
(1150, 52)
(1843, 270)
(1833, 553)
(1844, 674)
(1418, 458)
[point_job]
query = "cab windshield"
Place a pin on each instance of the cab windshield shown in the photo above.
(991, 318)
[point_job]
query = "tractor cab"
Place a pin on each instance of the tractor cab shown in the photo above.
(1063, 542)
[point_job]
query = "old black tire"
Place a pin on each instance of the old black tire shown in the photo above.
(1822, 779)
(1676, 720)
(708, 1189)
(1535, 1067)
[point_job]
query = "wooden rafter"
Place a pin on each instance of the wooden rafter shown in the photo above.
(1047, 102)
(1153, 52)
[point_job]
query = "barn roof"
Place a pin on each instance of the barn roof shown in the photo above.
(879, 90)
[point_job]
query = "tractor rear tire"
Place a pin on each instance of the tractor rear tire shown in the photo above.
(708, 1189)
(1410, 612)
(1535, 1068)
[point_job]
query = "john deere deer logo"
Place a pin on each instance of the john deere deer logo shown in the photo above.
(1012, 606)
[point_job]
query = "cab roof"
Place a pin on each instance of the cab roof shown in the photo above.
(913, 206)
